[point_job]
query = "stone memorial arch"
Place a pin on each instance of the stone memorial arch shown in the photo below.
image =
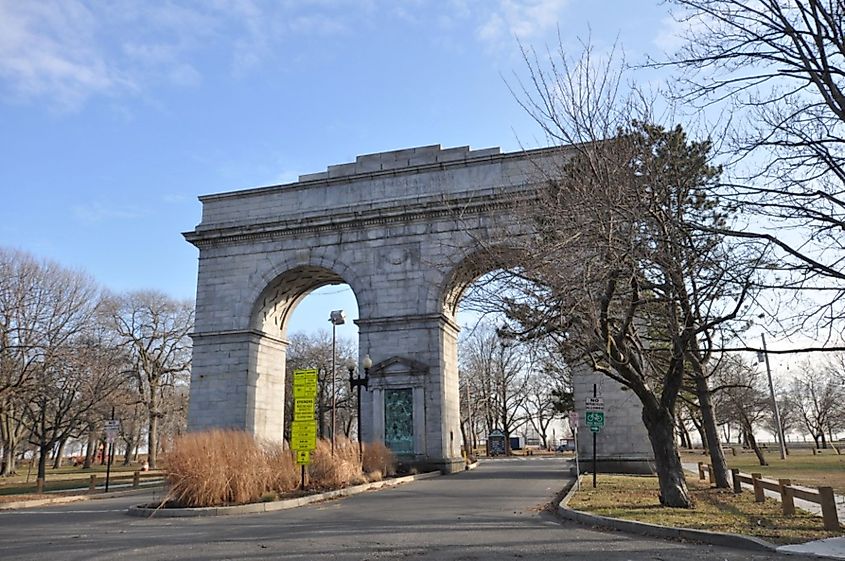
(386, 226)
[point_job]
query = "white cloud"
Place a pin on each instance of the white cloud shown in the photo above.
(67, 51)
(45, 49)
(524, 19)
(97, 211)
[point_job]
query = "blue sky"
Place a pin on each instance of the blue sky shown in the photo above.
(115, 116)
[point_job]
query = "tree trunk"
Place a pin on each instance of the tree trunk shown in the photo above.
(127, 454)
(683, 435)
(9, 434)
(152, 443)
(43, 452)
(670, 472)
(9, 458)
(708, 421)
(90, 448)
(701, 434)
(60, 454)
(753, 441)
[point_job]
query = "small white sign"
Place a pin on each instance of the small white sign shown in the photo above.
(573, 419)
(112, 427)
(594, 404)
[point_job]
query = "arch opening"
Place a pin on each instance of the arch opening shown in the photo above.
(512, 391)
(273, 308)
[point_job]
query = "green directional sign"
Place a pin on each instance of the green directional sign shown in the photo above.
(594, 420)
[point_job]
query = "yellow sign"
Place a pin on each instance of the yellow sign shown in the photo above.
(304, 428)
(303, 409)
(303, 457)
(302, 443)
(304, 383)
(303, 435)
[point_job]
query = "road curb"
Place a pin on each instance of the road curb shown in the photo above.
(33, 503)
(42, 502)
(285, 504)
(653, 530)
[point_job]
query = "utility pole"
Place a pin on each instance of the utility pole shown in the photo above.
(774, 401)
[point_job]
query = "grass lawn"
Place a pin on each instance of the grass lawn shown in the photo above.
(635, 498)
(825, 470)
(64, 478)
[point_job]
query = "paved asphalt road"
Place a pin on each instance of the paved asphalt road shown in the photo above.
(491, 513)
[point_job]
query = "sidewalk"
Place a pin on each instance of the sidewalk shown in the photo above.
(831, 547)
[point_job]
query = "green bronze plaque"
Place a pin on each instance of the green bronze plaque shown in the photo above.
(399, 420)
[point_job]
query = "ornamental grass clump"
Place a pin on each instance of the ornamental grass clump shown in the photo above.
(378, 458)
(225, 467)
(333, 471)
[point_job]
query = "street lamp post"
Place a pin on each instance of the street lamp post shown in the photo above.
(337, 317)
(358, 383)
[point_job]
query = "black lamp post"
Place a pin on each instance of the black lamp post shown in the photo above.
(337, 317)
(358, 382)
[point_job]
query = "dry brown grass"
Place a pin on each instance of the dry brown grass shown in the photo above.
(635, 498)
(333, 471)
(284, 473)
(378, 457)
(223, 467)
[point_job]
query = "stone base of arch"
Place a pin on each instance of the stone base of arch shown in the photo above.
(238, 382)
(622, 446)
(415, 361)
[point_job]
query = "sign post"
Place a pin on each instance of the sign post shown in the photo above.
(594, 418)
(303, 431)
(112, 429)
(573, 424)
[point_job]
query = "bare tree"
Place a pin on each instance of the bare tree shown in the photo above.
(154, 330)
(65, 390)
(43, 308)
(618, 265)
(314, 350)
(497, 371)
(819, 398)
(743, 398)
(778, 68)
(541, 403)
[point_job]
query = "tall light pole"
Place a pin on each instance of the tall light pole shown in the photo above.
(337, 317)
(359, 382)
(774, 401)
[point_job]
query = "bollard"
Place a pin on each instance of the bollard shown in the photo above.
(710, 475)
(759, 494)
(815, 451)
(829, 514)
(92, 483)
(701, 470)
(136, 479)
(736, 480)
(786, 496)
(733, 450)
(39, 485)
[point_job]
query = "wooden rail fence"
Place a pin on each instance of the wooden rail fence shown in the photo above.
(823, 497)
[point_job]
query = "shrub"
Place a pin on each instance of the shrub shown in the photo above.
(327, 471)
(378, 457)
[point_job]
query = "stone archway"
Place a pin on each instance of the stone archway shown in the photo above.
(397, 227)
